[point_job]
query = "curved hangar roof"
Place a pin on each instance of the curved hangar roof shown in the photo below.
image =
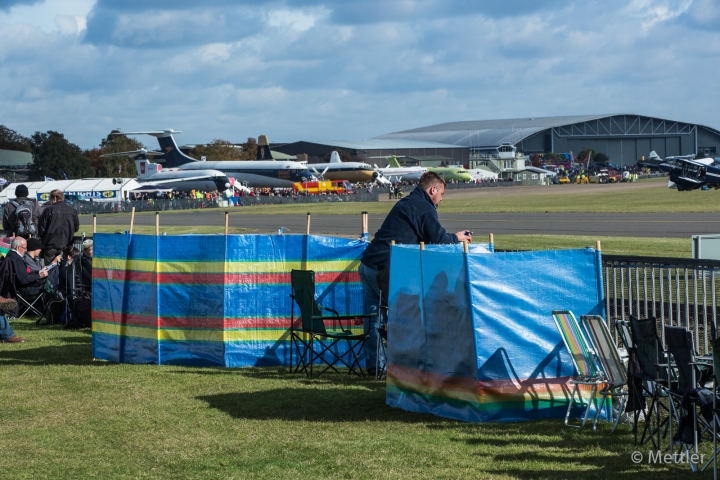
(484, 133)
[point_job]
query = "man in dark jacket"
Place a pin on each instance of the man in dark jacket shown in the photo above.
(412, 220)
(25, 279)
(10, 220)
(58, 224)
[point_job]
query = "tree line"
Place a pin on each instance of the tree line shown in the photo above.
(56, 157)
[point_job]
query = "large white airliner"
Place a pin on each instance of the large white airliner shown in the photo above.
(251, 173)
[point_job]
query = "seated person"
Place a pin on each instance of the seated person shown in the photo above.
(66, 270)
(84, 264)
(27, 280)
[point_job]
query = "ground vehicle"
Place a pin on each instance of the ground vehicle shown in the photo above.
(326, 186)
(562, 179)
(581, 179)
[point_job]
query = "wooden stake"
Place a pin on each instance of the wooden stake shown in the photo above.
(132, 219)
(157, 224)
(465, 246)
(94, 223)
(492, 239)
(392, 242)
(227, 214)
(307, 225)
(597, 246)
(422, 245)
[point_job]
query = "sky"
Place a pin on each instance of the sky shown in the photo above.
(347, 69)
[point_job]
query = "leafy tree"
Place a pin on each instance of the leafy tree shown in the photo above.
(249, 149)
(597, 157)
(11, 140)
(123, 166)
(535, 160)
(218, 150)
(54, 154)
(344, 156)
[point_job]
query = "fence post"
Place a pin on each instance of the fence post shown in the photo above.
(132, 219)
(227, 214)
(157, 224)
(94, 223)
(307, 225)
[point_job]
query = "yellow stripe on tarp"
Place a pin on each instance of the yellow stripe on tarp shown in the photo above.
(223, 267)
(454, 394)
(190, 335)
(118, 264)
(125, 330)
(285, 267)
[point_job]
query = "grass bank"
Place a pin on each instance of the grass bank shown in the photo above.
(65, 416)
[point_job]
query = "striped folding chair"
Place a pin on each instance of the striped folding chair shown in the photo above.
(613, 369)
(583, 358)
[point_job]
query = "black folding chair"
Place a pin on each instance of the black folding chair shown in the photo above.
(313, 331)
(653, 376)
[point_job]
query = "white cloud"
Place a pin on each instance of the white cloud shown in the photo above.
(230, 71)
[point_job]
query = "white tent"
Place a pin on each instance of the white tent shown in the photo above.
(97, 189)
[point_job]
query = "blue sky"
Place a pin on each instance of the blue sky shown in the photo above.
(347, 69)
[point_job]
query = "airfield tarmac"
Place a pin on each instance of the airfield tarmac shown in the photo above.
(678, 225)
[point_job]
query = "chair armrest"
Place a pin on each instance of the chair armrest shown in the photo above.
(329, 310)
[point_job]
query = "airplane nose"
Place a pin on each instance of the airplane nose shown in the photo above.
(374, 175)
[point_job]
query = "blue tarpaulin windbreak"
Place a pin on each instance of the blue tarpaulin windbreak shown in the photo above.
(471, 336)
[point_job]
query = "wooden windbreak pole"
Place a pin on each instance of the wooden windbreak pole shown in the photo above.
(492, 239)
(422, 245)
(307, 225)
(465, 246)
(132, 219)
(157, 224)
(597, 245)
(392, 242)
(227, 214)
(94, 223)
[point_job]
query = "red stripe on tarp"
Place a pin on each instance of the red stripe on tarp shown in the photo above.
(191, 322)
(123, 275)
(125, 318)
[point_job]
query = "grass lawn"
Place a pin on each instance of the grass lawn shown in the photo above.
(65, 416)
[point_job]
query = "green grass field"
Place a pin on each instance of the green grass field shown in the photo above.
(66, 416)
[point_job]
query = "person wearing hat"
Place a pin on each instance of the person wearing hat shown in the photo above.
(21, 198)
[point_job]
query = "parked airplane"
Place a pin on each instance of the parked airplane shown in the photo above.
(260, 173)
(688, 173)
(151, 174)
(395, 173)
(458, 174)
(339, 170)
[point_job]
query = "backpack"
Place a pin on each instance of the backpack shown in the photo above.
(25, 222)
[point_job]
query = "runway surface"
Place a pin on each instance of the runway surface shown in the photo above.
(680, 225)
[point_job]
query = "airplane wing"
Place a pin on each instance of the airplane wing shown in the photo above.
(173, 180)
(154, 133)
(132, 154)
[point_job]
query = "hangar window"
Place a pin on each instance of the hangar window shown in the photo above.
(534, 176)
(524, 176)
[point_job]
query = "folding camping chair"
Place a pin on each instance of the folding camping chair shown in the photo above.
(613, 369)
(31, 304)
(715, 344)
(583, 359)
(681, 350)
(654, 377)
(313, 330)
(383, 280)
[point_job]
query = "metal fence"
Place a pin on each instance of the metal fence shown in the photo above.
(188, 204)
(676, 291)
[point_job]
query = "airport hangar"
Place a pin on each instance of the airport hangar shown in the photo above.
(625, 138)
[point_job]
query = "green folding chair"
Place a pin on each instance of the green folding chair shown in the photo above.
(613, 369)
(583, 358)
(314, 341)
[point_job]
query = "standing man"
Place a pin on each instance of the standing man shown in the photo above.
(58, 224)
(412, 220)
(21, 215)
